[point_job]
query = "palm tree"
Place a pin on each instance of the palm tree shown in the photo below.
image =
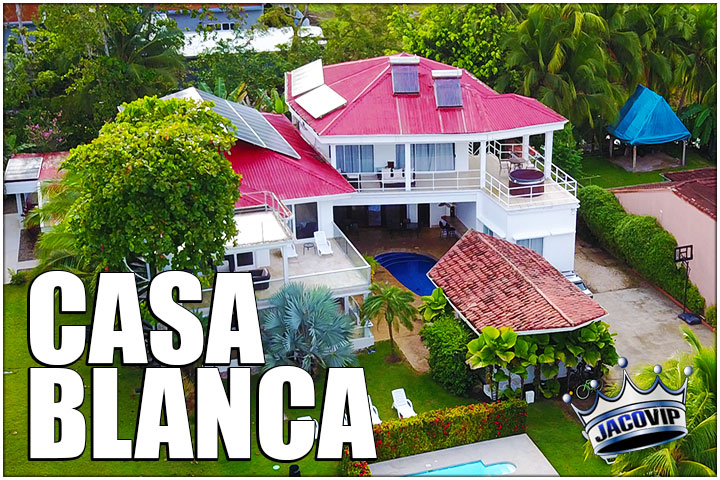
(696, 453)
(395, 305)
(305, 328)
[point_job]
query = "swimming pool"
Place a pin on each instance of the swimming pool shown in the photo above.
(410, 269)
(474, 469)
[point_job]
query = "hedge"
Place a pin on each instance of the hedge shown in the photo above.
(639, 241)
(449, 427)
(354, 468)
(446, 339)
(711, 315)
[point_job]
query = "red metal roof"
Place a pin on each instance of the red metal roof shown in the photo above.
(494, 282)
(49, 168)
(28, 12)
(288, 178)
(373, 109)
(698, 187)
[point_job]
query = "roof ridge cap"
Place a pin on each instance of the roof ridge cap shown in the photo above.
(525, 277)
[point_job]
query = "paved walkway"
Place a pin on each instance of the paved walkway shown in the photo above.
(517, 449)
(645, 320)
(11, 245)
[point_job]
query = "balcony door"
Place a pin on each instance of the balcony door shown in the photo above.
(306, 220)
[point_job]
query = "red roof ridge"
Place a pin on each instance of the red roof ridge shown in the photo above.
(532, 254)
(349, 106)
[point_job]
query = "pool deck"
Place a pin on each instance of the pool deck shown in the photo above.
(517, 449)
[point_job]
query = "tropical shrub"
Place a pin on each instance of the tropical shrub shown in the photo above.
(446, 339)
(353, 468)
(640, 241)
(393, 304)
(304, 327)
(565, 152)
(711, 315)
(434, 305)
(449, 427)
(19, 277)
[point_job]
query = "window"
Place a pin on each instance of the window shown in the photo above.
(487, 231)
(399, 155)
(533, 244)
(355, 158)
(432, 157)
(244, 259)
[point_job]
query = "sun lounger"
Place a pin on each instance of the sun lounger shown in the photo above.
(402, 404)
(290, 251)
(374, 415)
(322, 244)
(317, 426)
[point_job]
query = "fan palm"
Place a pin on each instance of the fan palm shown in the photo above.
(305, 328)
(392, 303)
(696, 453)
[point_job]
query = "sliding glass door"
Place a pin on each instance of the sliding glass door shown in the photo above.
(432, 157)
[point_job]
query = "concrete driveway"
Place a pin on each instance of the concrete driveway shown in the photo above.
(645, 320)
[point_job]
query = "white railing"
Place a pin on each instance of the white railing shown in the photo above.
(540, 195)
(421, 181)
(265, 201)
(558, 175)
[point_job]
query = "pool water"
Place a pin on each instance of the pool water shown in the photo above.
(474, 469)
(410, 269)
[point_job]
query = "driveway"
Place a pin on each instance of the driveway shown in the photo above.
(645, 320)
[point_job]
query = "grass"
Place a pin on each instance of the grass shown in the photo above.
(599, 170)
(557, 436)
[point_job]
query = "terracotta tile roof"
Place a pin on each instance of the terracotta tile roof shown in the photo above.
(494, 282)
(698, 187)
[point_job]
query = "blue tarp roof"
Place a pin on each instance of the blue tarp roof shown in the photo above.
(646, 118)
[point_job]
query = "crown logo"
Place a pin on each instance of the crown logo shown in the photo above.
(635, 419)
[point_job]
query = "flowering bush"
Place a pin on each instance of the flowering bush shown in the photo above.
(44, 132)
(354, 468)
(449, 427)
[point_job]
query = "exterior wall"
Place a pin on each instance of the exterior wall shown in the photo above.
(383, 154)
(262, 258)
(466, 212)
(461, 156)
(688, 225)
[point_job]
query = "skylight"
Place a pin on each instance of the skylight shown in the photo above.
(447, 88)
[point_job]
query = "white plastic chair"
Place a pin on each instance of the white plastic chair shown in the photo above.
(374, 415)
(290, 251)
(317, 426)
(322, 244)
(402, 404)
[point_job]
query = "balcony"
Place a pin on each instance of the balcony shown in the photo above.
(559, 189)
(421, 181)
(345, 272)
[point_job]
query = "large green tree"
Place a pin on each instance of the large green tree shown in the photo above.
(155, 184)
(355, 32)
(466, 36)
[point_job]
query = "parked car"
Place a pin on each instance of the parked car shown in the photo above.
(578, 282)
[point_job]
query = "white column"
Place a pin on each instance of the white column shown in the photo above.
(333, 155)
(18, 200)
(525, 146)
(408, 168)
(412, 212)
(483, 162)
(285, 265)
(548, 153)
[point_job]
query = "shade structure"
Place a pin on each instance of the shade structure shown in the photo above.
(647, 119)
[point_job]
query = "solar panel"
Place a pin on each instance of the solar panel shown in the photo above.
(405, 79)
(321, 101)
(250, 125)
(447, 88)
(307, 77)
(19, 169)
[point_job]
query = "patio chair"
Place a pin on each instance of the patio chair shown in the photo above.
(317, 426)
(290, 251)
(374, 415)
(322, 244)
(402, 404)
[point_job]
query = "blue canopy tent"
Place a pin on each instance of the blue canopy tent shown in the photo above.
(647, 119)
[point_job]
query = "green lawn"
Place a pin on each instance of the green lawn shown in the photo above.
(556, 435)
(598, 170)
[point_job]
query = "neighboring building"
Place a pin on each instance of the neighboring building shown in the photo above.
(686, 206)
(10, 19)
(24, 174)
(421, 140)
(186, 22)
